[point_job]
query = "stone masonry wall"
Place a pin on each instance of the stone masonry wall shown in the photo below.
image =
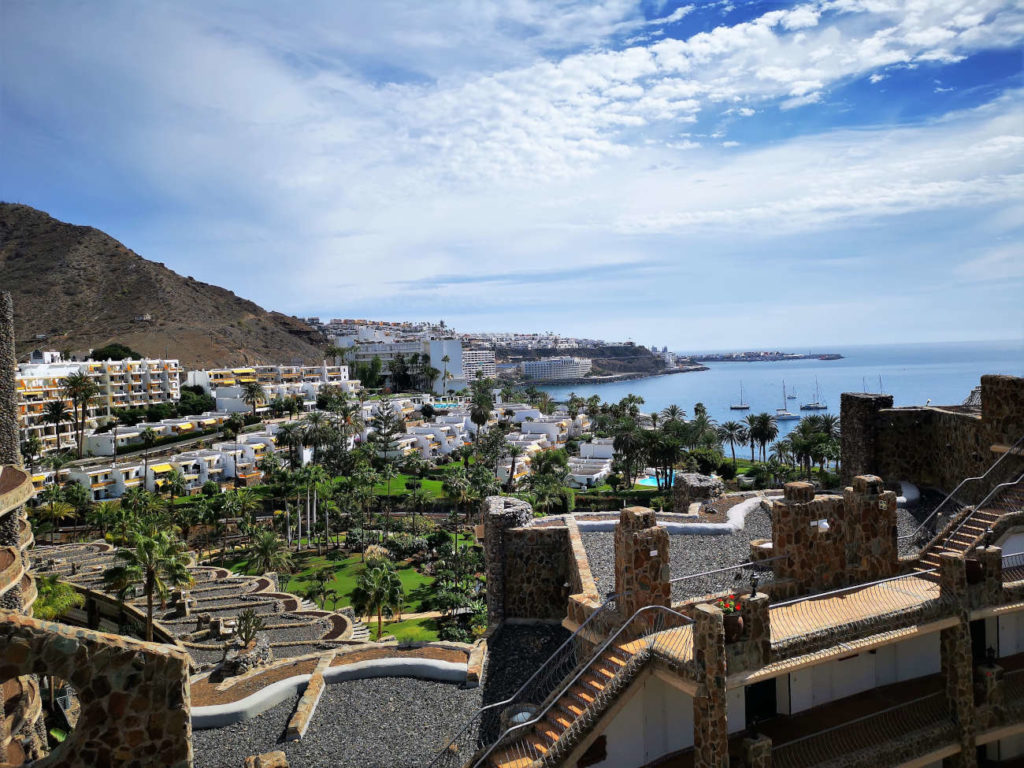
(928, 445)
(135, 706)
(537, 573)
(500, 514)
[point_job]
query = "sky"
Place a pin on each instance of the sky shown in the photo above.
(700, 175)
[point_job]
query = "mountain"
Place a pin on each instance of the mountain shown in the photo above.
(76, 288)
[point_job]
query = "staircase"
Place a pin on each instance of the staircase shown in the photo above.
(1004, 499)
(545, 734)
(360, 631)
(574, 708)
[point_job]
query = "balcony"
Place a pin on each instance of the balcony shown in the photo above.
(870, 728)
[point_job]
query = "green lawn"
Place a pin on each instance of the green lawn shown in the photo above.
(413, 630)
(345, 574)
(433, 487)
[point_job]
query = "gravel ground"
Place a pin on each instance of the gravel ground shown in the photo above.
(515, 653)
(907, 520)
(689, 554)
(377, 723)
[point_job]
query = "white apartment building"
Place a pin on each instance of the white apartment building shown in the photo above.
(126, 437)
(480, 361)
(121, 384)
(226, 385)
(598, 448)
(422, 344)
(556, 368)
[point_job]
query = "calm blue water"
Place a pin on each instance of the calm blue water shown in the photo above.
(911, 373)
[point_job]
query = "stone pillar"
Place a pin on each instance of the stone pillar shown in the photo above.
(956, 661)
(753, 649)
(859, 441)
(10, 444)
(710, 725)
(988, 693)
(641, 561)
(500, 514)
(812, 557)
(989, 591)
(757, 751)
(869, 530)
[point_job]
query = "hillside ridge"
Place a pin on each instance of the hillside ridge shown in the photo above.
(77, 288)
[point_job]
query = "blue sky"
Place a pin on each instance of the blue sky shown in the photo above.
(701, 175)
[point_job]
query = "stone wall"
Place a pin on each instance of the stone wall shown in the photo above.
(537, 573)
(856, 543)
(931, 446)
(135, 707)
(500, 514)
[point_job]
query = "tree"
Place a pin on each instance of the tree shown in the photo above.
(158, 562)
(673, 413)
(54, 510)
(55, 598)
(445, 376)
(175, 484)
(378, 591)
(80, 389)
(253, 394)
(148, 441)
(733, 433)
(514, 452)
(631, 447)
(479, 414)
(56, 413)
(268, 553)
(419, 500)
(31, 447)
(115, 351)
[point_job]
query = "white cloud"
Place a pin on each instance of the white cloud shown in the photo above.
(1003, 262)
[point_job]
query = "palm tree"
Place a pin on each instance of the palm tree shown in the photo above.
(31, 447)
(733, 433)
(54, 599)
(768, 431)
(515, 452)
(56, 462)
(673, 413)
(752, 421)
(445, 376)
(175, 484)
(378, 590)
(268, 553)
(148, 441)
(56, 413)
(101, 516)
(253, 394)
(54, 510)
(479, 414)
(158, 562)
(80, 389)
(419, 500)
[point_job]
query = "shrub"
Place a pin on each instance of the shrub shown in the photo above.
(375, 553)
(727, 470)
(707, 460)
(210, 488)
(248, 624)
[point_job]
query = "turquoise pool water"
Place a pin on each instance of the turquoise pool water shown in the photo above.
(649, 482)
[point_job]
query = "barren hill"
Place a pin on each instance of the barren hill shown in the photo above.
(82, 289)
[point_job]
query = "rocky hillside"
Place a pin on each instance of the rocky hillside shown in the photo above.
(608, 359)
(76, 288)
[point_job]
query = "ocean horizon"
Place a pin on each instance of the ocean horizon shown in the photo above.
(941, 372)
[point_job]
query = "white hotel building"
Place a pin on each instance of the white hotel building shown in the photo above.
(556, 368)
(121, 384)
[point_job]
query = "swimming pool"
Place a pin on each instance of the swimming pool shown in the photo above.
(651, 482)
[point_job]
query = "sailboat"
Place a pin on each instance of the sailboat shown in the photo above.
(781, 414)
(740, 406)
(816, 405)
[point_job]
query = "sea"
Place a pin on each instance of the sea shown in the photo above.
(913, 374)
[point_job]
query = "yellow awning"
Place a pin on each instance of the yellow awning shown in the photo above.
(161, 468)
(184, 427)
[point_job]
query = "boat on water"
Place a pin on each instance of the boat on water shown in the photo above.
(741, 405)
(783, 414)
(817, 404)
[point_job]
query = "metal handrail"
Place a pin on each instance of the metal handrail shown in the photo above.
(856, 720)
(609, 601)
(555, 697)
(748, 564)
(980, 505)
(996, 463)
(852, 587)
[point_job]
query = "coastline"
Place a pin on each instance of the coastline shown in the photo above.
(612, 378)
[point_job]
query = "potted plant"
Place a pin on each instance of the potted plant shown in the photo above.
(732, 607)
